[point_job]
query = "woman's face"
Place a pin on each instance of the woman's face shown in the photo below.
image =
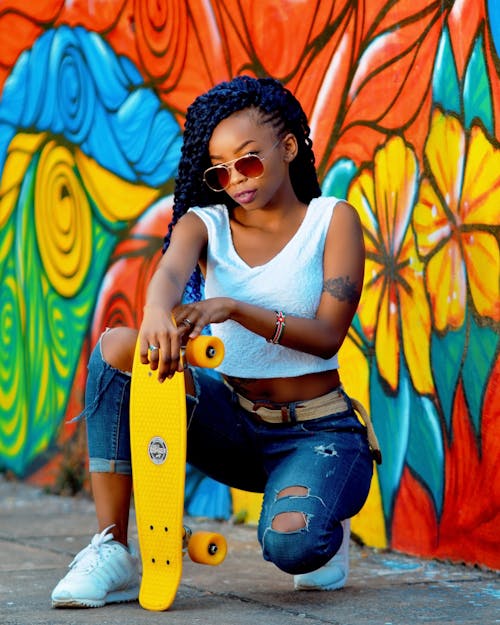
(242, 134)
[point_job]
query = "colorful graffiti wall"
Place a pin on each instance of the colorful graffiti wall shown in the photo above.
(404, 104)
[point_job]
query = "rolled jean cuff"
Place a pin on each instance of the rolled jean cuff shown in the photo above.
(103, 465)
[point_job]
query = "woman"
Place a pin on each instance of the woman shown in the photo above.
(283, 272)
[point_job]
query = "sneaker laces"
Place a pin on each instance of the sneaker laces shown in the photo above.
(87, 557)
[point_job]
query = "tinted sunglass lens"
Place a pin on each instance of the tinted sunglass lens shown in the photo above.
(250, 166)
(217, 178)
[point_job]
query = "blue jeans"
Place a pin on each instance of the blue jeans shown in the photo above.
(328, 457)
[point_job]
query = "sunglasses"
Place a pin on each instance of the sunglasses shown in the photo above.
(218, 177)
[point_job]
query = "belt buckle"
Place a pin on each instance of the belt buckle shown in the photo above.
(285, 414)
(282, 411)
(257, 405)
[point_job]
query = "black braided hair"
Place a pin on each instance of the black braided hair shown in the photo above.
(277, 106)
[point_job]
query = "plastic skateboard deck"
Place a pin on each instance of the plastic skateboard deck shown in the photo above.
(158, 447)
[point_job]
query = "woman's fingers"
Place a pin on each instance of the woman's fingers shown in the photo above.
(149, 349)
(162, 354)
(169, 357)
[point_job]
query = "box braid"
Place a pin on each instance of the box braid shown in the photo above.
(275, 105)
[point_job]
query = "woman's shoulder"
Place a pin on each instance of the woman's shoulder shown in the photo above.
(211, 209)
(323, 202)
(321, 209)
(215, 216)
(329, 205)
(333, 216)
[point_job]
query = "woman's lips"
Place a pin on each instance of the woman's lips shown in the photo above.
(245, 197)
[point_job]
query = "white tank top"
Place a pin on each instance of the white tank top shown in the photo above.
(292, 281)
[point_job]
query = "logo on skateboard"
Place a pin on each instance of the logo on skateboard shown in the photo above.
(157, 450)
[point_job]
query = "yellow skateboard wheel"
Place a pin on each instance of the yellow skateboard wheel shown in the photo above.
(205, 351)
(207, 548)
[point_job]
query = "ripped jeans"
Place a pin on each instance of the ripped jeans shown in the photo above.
(328, 457)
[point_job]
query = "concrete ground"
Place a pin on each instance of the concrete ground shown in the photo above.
(40, 533)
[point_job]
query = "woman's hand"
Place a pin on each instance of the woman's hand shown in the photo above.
(169, 332)
(160, 342)
(192, 318)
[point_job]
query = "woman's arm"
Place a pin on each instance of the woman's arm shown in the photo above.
(189, 238)
(343, 269)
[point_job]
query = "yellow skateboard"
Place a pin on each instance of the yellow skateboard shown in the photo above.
(158, 446)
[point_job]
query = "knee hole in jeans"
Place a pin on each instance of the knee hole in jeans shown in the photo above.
(290, 521)
(118, 346)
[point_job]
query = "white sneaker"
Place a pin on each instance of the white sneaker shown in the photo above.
(333, 575)
(104, 572)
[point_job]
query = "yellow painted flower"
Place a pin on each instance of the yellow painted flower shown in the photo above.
(393, 310)
(457, 209)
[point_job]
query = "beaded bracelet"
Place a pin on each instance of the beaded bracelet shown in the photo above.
(280, 328)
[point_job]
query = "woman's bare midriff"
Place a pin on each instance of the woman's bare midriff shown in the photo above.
(284, 390)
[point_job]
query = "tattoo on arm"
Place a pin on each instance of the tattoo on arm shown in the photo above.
(342, 289)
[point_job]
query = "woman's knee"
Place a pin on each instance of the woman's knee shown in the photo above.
(117, 347)
(290, 521)
(303, 550)
(298, 539)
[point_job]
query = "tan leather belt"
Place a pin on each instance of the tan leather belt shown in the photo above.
(304, 411)
(331, 403)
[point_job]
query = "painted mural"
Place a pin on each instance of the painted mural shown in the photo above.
(404, 104)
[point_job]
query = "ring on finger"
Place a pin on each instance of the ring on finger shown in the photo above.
(186, 322)
(153, 348)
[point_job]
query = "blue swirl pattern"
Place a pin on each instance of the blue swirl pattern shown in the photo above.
(72, 84)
